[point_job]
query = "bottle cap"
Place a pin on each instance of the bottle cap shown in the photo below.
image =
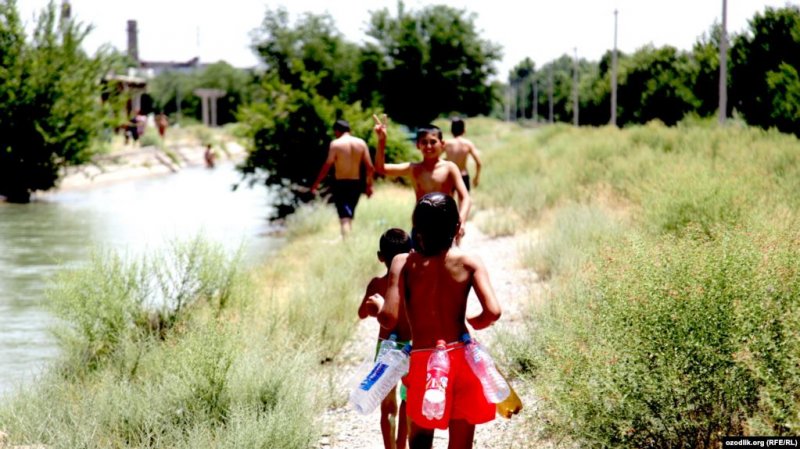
(407, 348)
(441, 343)
(466, 338)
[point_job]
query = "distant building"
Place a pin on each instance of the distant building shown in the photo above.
(150, 69)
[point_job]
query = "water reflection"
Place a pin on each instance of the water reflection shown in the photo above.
(38, 239)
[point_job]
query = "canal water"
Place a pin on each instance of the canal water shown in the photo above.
(133, 217)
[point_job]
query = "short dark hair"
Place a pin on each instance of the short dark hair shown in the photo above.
(436, 222)
(422, 131)
(343, 126)
(393, 242)
(457, 126)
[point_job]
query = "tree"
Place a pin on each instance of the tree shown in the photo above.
(313, 45)
(436, 63)
(50, 108)
(237, 84)
(656, 83)
(764, 63)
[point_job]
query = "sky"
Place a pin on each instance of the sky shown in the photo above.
(178, 30)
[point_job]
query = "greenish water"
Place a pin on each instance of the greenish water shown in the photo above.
(133, 217)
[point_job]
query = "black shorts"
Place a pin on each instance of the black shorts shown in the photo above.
(466, 181)
(346, 193)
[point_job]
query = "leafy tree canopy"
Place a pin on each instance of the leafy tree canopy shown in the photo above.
(50, 92)
(435, 63)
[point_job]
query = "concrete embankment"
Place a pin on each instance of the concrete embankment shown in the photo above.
(138, 162)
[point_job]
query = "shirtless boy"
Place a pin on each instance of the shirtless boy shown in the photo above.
(433, 284)
(459, 148)
(432, 174)
(393, 242)
(346, 153)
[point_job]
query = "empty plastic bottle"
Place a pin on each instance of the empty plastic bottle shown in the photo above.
(433, 401)
(387, 345)
(381, 379)
(495, 387)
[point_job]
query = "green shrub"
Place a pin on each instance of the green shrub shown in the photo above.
(668, 343)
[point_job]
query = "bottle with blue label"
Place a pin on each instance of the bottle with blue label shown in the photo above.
(384, 376)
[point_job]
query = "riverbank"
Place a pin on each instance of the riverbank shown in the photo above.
(134, 162)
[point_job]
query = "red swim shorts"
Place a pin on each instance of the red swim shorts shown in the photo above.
(465, 399)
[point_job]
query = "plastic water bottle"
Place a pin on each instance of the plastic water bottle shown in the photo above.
(512, 405)
(495, 387)
(381, 379)
(433, 401)
(387, 345)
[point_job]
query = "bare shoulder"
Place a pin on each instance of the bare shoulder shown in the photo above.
(376, 285)
(361, 143)
(468, 260)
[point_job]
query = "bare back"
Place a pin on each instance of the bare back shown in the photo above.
(436, 291)
(457, 150)
(348, 152)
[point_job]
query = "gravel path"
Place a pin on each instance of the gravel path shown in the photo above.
(514, 287)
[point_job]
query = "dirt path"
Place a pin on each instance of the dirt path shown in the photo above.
(514, 286)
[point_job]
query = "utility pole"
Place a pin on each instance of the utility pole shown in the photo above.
(575, 90)
(614, 75)
(535, 100)
(550, 94)
(723, 65)
(513, 100)
(508, 102)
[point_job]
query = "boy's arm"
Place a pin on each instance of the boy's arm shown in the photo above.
(369, 307)
(381, 167)
(388, 314)
(325, 167)
(464, 200)
(474, 153)
(483, 289)
(370, 170)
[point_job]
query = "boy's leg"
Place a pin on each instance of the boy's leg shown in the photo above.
(461, 434)
(402, 426)
(388, 421)
(420, 437)
(345, 225)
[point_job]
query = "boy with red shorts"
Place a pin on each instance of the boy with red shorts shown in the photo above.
(433, 283)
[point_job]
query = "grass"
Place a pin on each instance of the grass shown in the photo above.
(673, 261)
(672, 255)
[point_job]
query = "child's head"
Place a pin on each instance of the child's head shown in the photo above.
(429, 141)
(393, 242)
(436, 223)
(341, 126)
(456, 126)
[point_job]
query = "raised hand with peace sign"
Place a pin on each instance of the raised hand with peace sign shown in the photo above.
(380, 127)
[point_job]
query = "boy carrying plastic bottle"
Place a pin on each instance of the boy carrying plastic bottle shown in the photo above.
(433, 284)
(393, 242)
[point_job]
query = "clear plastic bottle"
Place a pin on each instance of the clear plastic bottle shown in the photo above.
(495, 387)
(387, 345)
(433, 401)
(381, 379)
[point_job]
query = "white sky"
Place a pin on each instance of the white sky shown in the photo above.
(178, 30)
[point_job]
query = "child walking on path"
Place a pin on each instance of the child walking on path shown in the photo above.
(432, 174)
(433, 284)
(459, 149)
(347, 154)
(393, 242)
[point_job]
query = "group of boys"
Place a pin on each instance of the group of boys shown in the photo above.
(423, 295)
